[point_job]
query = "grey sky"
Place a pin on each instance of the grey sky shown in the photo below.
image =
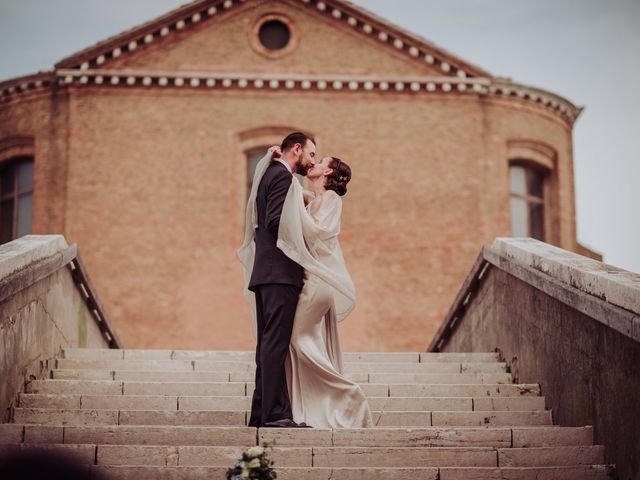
(585, 50)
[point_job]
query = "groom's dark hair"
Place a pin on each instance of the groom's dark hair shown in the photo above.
(293, 138)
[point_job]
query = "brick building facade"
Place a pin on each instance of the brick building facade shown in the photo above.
(141, 148)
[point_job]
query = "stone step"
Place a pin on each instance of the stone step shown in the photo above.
(114, 387)
(47, 416)
(201, 376)
(496, 437)
(443, 381)
(161, 462)
(589, 472)
(461, 390)
(556, 456)
(249, 367)
(472, 419)
(160, 402)
(440, 378)
(249, 356)
(190, 455)
(308, 473)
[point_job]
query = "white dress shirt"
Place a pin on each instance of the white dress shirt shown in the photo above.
(284, 163)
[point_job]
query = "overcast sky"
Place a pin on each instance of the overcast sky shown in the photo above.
(585, 50)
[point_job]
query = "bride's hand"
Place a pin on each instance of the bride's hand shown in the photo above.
(275, 152)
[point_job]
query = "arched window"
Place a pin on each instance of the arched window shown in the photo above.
(527, 200)
(253, 157)
(16, 198)
(533, 190)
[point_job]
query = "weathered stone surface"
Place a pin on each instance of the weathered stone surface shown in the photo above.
(82, 374)
(130, 402)
(151, 417)
(427, 357)
(82, 454)
(300, 437)
(128, 472)
(97, 353)
(550, 335)
(478, 390)
(519, 404)
(486, 367)
(386, 357)
(598, 472)
(400, 457)
(374, 389)
(619, 287)
(226, 456)
(358, 473)
(224, 355)
(223, 366)
(122, 472)
(548, 436)
(440, 378)
(401, 419)
(43, 313)
(423, 437)
(150, 354)
(416, 404)
(43, 434)
(88, 387)
(27, 250)
(171, 376)
(11, 433)
(180, 365)
(557, 456)
(184, 388)
(395, 367)
(160, 435)
(213, 403)
(46, 416)
(136, 454)
(49, 400)
(491, 418)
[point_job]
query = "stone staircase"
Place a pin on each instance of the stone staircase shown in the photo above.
(156, 414)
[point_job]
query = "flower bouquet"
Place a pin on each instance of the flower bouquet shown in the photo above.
(254, 464)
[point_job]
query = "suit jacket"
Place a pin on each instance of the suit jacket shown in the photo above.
(271, 265)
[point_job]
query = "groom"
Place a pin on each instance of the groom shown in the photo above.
(276, 281)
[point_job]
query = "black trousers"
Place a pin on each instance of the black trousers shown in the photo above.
(275, 309)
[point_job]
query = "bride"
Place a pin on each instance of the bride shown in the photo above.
(321, 395)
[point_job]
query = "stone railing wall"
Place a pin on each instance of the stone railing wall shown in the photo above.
(46, 303)
(565, 321)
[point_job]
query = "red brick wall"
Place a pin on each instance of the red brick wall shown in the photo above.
(151, 184)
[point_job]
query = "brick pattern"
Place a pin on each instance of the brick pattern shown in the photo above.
(151, 183)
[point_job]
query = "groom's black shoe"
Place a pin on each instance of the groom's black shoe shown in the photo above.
(285, 423)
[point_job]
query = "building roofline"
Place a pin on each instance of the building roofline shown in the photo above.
(343, 12)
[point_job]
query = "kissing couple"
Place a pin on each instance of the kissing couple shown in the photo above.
(298, 288)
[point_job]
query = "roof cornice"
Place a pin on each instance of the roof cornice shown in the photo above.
(251, 81)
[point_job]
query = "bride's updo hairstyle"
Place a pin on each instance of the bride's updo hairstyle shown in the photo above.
(340, 176)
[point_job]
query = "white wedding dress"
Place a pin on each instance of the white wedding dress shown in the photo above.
(320, 394)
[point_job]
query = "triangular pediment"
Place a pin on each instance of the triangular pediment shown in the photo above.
(221, 35)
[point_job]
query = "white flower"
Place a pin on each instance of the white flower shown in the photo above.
(255, 463)
(255, 451)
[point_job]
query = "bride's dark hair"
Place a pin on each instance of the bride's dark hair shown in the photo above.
(340, 176)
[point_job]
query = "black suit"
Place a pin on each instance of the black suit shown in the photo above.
(276, 280)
